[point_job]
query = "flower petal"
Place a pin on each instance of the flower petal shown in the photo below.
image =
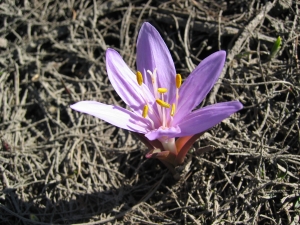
(124, 82)
(183, 145)
(199, 83)
(114, 115)
(207, 117)
(152, 53)
(161, 132)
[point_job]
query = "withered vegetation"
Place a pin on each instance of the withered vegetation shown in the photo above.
(61, 167)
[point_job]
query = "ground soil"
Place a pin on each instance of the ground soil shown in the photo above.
(58, 166)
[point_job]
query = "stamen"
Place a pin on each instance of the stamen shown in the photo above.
(155, 87)
(178, 80)
(162, 90)
(178, 85)
(173, 109)
(154, 83)
(162, 103)
(145, 111)
(139, 78)
(163, 109)
(147, 108)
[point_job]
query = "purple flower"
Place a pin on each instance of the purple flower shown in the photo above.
(161, 108)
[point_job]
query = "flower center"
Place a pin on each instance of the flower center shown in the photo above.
(159, 94)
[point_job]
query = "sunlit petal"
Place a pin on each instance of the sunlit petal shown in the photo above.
(114, 115)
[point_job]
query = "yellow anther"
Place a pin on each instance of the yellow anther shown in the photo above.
(145, 111)
(173, 109)
(139, 78)
(178, 80)
(162, 90)
(162, 103)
